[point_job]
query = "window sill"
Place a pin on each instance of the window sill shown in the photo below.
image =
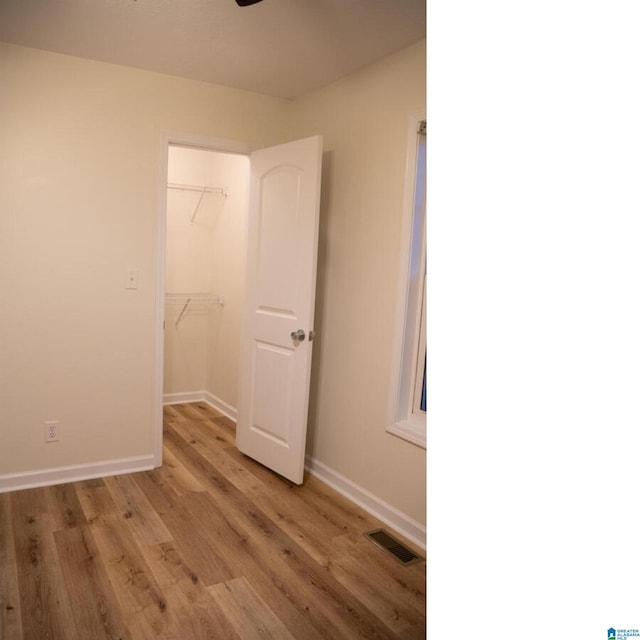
(413, 431)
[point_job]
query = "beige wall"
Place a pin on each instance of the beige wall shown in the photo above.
(78, 191)
(364, 121)
(78, 207)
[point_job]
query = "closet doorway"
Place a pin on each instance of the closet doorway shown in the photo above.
(204, 275)
(258, 324)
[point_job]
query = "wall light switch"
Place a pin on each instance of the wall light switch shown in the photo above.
(132, 279)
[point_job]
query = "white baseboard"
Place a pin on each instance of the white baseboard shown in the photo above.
(402, 523)
(202, 396)
(183, 398)
(74, 473)
(221, 406)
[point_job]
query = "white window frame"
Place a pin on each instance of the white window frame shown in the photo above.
(406, 420)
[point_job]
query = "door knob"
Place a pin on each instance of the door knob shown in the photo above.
(298, 335)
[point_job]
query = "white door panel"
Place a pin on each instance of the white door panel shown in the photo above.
(273, 369)
(277, 241)
(281, 273)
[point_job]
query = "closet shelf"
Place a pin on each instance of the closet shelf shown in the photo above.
(186, 299)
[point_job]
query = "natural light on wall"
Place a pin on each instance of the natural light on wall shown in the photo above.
(408, 401)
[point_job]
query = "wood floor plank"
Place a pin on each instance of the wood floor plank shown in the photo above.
(195, 608)
(190, 530)
(172, 412)
(195, 411)
(199, 616)
(211, 546)
(145, 524)
(168, 566)
(233, 549)
(227, 424)
(10, 618)
(213, 428)
(374, 578)
(220, 546)
(177, 475)
(332, 607)
(96, 609)
(95, 499)
(65, 507)
(44, 600)
(336, 510)
(143, 604)
(311, 522)
(275, 499)
(198, 435)
(249, 614)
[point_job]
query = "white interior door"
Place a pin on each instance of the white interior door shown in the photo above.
(275, 365)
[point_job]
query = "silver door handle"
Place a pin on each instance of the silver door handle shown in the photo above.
(298, 335)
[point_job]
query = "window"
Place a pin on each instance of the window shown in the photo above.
(408, 401)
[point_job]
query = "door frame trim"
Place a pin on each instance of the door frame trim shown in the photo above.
(196, 141)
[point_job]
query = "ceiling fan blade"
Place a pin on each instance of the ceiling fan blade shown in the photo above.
(246, 3)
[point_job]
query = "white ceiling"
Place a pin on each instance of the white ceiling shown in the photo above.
(281, 48)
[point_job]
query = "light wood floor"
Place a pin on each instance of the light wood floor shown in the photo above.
(211, 545)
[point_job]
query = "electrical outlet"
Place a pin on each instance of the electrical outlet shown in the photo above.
(51, 431)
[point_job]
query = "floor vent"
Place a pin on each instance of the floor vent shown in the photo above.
(398, 550)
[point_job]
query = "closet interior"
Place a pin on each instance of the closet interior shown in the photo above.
(207, 195)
